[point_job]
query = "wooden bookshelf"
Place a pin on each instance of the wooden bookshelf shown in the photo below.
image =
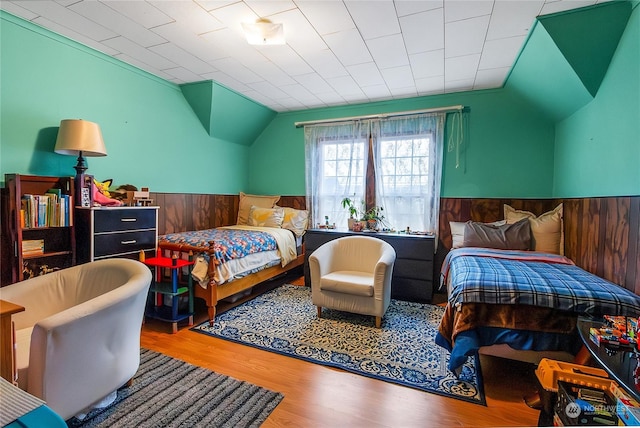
(59, 237)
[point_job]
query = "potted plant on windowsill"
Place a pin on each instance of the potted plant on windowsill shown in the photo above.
(374, 217)
(354, 213)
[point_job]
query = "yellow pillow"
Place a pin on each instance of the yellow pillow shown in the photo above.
(247, 201)
(265, 217)
(295, 220)
(547, 229)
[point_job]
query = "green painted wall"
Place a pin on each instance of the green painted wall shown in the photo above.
(507, 149)
(153, 137)
(598, 148)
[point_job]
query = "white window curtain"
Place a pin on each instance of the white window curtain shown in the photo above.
(335, 157)
(407, 152)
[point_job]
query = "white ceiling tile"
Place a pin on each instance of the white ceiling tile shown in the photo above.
(407, 92)
(145, 56)
(562, 5)
(286, 58)
(190, 42)
(458, 10)
(427, 64)
(513, 18)
(458, 85)
(330, 98)
(492, 78)
(234, 15)
(210, 5)
(345, 86)
(388, 51)
(314, 83)
(226, 80)
(143, 66)
(14, 8)
(500, 52)
(377, 92)
(325, 63)
(348, 47)
(327, 16)
(465, 37)
(190, 14)
(461, 67)
(139, 11)
(272, 73)
(375, 19)
(177, 55)
(398, 77)
(430, 85)
(266, 8)
(227, 42)
(366, 74)
(64, 17)
(299, 33)
(234, 68)
(268, 90)
(77, 37)
(182, 74)
(109, 18)
(409, 7)
(423, 31)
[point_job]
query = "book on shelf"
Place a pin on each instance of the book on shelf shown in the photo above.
(32, 246)
(52, 209)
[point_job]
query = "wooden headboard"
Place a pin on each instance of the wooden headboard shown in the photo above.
(602, 235)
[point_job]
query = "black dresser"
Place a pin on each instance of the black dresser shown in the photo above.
(412, 278)
(106, 232)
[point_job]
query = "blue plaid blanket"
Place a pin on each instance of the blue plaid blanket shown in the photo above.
(530, 278)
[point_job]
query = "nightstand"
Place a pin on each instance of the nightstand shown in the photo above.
(104, 232)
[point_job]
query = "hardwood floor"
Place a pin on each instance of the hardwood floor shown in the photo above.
(317, 396)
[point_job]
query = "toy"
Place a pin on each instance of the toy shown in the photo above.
(99, 197)
(103, 186)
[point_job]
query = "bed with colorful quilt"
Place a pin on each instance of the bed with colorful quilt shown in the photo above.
(266, 242)
(526, 299)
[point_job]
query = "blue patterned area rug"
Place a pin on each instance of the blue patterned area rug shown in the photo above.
(403, 351)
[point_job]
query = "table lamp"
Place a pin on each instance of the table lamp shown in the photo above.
(82, 138)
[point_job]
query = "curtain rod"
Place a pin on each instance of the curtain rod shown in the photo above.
(380, 115)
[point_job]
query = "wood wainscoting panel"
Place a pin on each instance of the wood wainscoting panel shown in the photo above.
(602, 235)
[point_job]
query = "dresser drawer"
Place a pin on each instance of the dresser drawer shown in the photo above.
(112, 244)
(124, 219)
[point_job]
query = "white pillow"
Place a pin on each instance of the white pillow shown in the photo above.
(547, 230)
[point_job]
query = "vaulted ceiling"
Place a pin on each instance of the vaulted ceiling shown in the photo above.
(337, 52)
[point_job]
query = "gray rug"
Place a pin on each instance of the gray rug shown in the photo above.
(403, 351)
(167, 392)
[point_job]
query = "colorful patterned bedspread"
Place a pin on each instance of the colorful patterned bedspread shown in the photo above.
(481, 275)
(228, 244)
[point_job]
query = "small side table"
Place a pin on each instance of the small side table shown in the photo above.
(7, 342)
(156, 307)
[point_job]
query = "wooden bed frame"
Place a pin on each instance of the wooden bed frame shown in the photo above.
(214, 292)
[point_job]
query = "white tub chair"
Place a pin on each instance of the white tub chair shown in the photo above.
(353, 274)
(78, 339)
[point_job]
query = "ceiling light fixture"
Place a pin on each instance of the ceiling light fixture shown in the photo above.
(264, 32)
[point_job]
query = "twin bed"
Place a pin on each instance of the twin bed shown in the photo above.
(503, 294)
(229, 261)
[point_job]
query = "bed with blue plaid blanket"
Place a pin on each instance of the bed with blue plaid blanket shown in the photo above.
(483, 275)
(525, 299)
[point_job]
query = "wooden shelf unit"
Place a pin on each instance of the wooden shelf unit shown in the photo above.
(59, 242)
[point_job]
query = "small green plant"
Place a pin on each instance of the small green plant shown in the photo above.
(350, 205)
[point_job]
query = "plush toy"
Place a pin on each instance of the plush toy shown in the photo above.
(98, 190)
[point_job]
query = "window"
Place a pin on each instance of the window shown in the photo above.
(402, 175)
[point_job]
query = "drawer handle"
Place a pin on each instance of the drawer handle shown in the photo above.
(133, 241)
(128, 219)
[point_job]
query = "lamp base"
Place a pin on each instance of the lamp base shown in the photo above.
(81, 166)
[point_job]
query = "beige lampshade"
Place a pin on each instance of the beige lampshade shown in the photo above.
(77, 136)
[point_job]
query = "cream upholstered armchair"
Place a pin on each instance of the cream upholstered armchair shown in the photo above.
(353, 274)
(78, 339)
